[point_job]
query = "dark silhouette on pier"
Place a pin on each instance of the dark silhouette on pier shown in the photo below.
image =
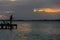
(8, 24)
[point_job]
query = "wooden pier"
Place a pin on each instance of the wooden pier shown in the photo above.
(8, 25)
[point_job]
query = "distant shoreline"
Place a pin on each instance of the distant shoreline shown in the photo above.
(30, 20)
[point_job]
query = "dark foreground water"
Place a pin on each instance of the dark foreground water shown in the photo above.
(33, 30)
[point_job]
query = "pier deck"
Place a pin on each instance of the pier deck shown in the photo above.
(8, 26)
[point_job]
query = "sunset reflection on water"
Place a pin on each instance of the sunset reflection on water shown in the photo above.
(37, 30)
(24, 27)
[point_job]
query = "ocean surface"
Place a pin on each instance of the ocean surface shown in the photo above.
(33, 30)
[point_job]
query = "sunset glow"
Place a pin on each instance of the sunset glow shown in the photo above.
(3, 17)
(12, 0)
(47, 10)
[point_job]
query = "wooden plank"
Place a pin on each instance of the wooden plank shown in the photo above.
(8, 26)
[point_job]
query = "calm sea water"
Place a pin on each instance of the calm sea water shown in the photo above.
(33, 30)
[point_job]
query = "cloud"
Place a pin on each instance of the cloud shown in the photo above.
(17, 2)
(7, 12)
(47, 10)
(23, 8)
(3, 17)
(48, 3)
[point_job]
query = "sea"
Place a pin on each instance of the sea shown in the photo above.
(32, 30)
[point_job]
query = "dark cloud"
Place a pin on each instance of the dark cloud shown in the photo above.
(24, 10)
(48, 3)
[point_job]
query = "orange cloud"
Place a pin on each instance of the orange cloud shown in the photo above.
(47, 10)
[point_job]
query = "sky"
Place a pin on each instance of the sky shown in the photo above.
(23, 9)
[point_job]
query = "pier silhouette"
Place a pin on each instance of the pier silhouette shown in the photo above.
(8, 24)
